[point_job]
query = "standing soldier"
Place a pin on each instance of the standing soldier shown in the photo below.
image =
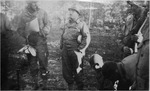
(70, 44)
(34, 26)
(139, 14)
(142, 75)
(142, 67)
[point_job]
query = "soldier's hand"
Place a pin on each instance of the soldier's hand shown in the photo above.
(139, 38)
(127, 50)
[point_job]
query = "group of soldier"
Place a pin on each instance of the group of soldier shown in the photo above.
(34, 26)
(71, 43)
(133, 70)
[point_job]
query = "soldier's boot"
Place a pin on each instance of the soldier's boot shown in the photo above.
(79, 80)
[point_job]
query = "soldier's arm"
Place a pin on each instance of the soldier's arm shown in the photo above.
(140, 22)
(85, 36)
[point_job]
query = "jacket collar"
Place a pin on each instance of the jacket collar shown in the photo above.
(75, 21)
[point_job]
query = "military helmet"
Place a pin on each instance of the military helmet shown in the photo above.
(74, 8)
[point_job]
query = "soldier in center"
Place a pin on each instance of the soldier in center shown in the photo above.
(69, 43)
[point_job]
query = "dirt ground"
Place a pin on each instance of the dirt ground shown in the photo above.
(101, 43)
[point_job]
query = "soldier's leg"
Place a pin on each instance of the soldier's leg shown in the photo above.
(78, 77)
(43, 62)
(67, 69)
(33, 65)
(79, 80)
(40, 45)
(42, 55)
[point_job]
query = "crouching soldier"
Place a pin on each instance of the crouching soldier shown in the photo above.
(75, 39)
(122, 71)
(96, 62)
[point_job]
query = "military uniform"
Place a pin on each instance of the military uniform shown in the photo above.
(122, 71)
(36, 39)
(139, 14)
(69, 43)
(142, 68)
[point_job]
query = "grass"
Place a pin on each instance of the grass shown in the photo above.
(102, 43)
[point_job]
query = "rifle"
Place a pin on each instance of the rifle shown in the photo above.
(137, 27)
(140, 35)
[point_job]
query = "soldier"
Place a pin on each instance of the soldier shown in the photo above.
(34, 26)
(139, 14)
(134, 69)
(142, 67)
(69, 44)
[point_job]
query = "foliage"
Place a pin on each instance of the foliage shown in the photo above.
(57, 10)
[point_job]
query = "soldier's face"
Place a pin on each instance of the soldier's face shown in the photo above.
(33, 6)
(73, 14)
(134, 9)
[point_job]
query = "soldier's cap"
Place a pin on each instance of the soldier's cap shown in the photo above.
(131, 3)
(31, 1)
(74, 9)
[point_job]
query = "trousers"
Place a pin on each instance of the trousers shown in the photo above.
(39, 43)
(69, 66)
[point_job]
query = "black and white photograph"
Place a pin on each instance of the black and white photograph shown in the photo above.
(74, 45)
